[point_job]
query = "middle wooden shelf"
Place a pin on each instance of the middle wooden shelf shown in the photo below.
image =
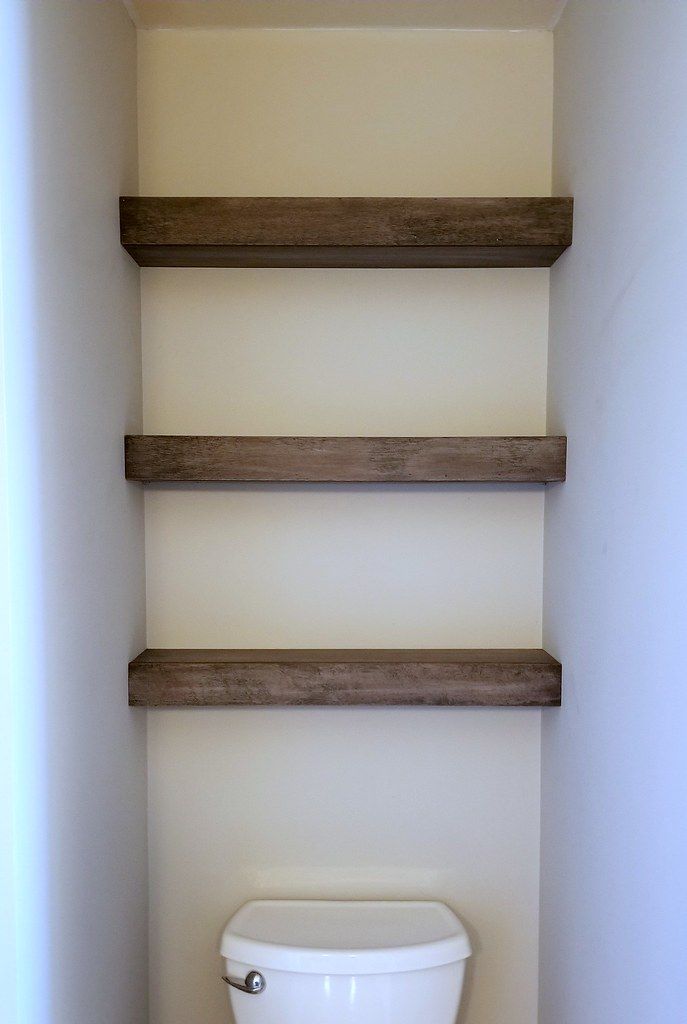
(453, 678)
(208, 459)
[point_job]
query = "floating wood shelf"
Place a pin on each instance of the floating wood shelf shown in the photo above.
(345, 459)
(353, 232)
(489, 678)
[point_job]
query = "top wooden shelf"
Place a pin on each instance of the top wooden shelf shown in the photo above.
(173, 458)
(351, 232)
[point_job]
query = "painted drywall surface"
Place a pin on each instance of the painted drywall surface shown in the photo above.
(614, 770)
(319, 802)
(71, 352)
(365, 113)
(360, 803)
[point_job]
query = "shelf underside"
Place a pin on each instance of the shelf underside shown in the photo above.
(169, 458)
(345, 232)
(487, 678)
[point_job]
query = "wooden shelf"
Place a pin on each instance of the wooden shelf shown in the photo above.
(345, 459)
(353, 232)
(488, 678)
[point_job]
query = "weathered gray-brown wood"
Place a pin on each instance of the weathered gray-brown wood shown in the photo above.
(345, 232)
(489, 678)
(345, 459)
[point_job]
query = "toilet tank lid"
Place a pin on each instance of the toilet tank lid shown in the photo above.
(344, 936)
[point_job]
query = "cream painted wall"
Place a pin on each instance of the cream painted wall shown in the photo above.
(260, 112)
(350, 802)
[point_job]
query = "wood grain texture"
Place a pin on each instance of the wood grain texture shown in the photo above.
(482, 678)
(346, 232)
(345, 459)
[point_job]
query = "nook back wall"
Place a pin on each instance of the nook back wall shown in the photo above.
(350, 802)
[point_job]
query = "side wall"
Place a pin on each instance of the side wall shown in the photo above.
(614, 770)
(326, 802)
(73, 545)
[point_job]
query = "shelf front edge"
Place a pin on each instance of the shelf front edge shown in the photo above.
(216, 231)
(208, 459)
(495, 678)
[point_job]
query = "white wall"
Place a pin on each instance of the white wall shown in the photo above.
(614, 889)
(344, 802)
(75, 755)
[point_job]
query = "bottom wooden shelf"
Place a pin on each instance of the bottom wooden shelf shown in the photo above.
(482, 678)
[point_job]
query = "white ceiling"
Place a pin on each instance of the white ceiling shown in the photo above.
(462, 14)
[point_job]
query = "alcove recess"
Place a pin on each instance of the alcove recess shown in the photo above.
(351, 232)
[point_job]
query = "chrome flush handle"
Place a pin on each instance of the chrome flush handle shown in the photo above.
(254, 983)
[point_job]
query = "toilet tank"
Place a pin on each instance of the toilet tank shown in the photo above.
(344, 962)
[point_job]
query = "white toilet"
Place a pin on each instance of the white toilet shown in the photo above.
(344, 962)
